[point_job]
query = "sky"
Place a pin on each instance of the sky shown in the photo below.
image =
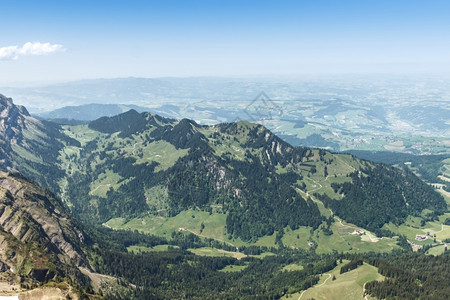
(71, 40)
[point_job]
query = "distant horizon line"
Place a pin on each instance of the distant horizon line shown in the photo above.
(317, 75)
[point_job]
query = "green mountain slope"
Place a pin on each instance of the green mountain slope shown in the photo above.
(381, 195)
(434, 169)
(29, 145)
(140, 165)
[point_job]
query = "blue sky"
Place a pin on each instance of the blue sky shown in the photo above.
(90, 39)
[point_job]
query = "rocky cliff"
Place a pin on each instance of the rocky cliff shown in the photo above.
(38, 239)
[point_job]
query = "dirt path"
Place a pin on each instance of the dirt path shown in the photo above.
(99, 186)
(364, 291)
(316, 183)
(345, 163)
(329, 276)
(315, 200)
(342, 224)
(301, 295)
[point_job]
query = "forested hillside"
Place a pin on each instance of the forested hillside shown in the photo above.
(375, 197)
(245, 185)
(139, 164)
(412, 277)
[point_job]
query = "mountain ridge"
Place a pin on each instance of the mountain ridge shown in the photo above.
(135, 164)
(39, 240)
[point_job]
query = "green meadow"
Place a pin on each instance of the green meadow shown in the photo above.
(348, 286)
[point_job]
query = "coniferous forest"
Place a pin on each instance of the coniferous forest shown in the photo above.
(178, 273)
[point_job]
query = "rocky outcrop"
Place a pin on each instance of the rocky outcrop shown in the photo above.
(13, 118)
(32, 215)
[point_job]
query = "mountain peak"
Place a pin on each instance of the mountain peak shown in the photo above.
(13, 118)
(7, 107)
(127, 123)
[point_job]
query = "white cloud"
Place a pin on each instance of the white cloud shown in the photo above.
(10, 52)
(28, 49)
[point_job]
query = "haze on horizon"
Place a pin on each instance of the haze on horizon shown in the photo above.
(61, 40)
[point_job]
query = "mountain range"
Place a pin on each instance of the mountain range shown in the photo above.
(230, 186)
(135, 164)
(342, 113)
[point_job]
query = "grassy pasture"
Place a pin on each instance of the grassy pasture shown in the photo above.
(157, 248)
(233, 268)
(436, 250)
(214, 226)
(293, 267)
(347, 286)
(208, 251)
